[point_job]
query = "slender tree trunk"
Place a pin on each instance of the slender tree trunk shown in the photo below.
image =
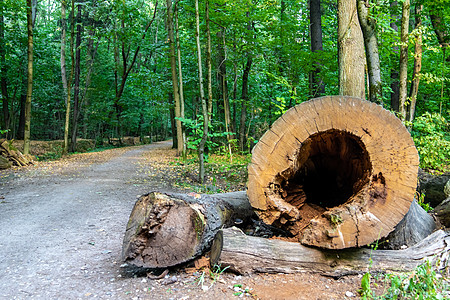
(315, 20)
(76, 88)
(417, 64)
(208, 61)
(351, 51)
(172, 121)
(368, 24)
(403, 75)
(3, 73)
(223, 84)
(173, 68)
(27, 129)
(243, 120)
(180, 75)
(394, 70)
(201, 147)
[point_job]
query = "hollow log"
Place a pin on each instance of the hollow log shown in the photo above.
(335, 171)
(247, 254)
(169, 229)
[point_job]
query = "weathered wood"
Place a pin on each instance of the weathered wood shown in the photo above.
(415, 226)
(442, 212)
(335, 171)
(169, 229)
(247, 254)
(14, 156)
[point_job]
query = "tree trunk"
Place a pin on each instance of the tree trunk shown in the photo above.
(169, 229)
(201, 146)
(417, 64)
(180, 75)
(368, 25)
(350, 50)
(27, 129)
(3, 73)
(173, 68)
(315, 20)
(76, 88)
(325, 172)
(244, 98)
(248, 254)
(208, 61)
(403, 74)
(394, 69)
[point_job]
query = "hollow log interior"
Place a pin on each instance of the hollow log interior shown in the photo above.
(330, 167)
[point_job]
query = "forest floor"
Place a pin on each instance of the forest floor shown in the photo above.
(62, 224)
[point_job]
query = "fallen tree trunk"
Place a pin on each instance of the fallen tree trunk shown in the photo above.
(246, 254)
(336, 172)
(169, 229)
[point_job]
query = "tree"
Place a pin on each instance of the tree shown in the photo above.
(315, 20)
(351, 51)
(403, 74)
(30, 24)
(394, 70)
(368, 25)
(3, 72)
(173, 67)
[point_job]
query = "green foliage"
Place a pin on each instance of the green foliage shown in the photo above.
(431, 134)
(420, 201)
(422, 283)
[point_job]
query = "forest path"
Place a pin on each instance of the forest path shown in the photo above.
(62, 224)
(61, 228)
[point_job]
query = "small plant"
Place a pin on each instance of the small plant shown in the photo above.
(420, 200)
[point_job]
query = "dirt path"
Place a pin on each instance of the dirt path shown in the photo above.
(61, 229)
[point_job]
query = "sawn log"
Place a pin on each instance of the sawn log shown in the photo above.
(169, 229)
(247, 254)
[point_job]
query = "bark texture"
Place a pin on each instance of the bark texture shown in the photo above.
(315, 19)
(351, 51)
(246, 254)
(336, 172)
(403, 74)
(168, 229)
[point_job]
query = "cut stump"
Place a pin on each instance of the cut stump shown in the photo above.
(169, 229)
(335, 171)
(248, 254)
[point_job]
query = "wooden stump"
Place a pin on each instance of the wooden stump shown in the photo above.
(335, 171)
(247, 254)
(169, 229)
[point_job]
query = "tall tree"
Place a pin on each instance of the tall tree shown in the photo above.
(30, 24)
(394, 70)
(368, 25)
(180, 75)
(173, 68)
(315, 20)
(403, 74)
(417, 62)
(201, 146)
(3, 70)
(350, 50)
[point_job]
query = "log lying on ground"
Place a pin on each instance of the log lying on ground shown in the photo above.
(442, 212)
(246, 254)
(169, 229)
(12, 155)
(337, 172)
(433, 186)
(415, 226)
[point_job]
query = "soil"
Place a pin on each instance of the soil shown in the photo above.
(61, 230)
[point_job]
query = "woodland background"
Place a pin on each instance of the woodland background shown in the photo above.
(102, 69)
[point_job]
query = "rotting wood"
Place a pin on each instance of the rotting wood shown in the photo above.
(14, 156)
(169, 229)
(247, 254)
(335, 171)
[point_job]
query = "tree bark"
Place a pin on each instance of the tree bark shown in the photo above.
(201, 146)
(394, 69)
(403, 73)
(3, 73)
(324, 172)
(248, 254)
(350, 50)
(417, 64)
(180, 75)
(173, 68)
(368, 25)
(315, 20)
(77, 74)
(27, 129)
(169, 229)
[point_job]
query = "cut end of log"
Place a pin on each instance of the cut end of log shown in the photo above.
(161, 232)
(336, 172)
